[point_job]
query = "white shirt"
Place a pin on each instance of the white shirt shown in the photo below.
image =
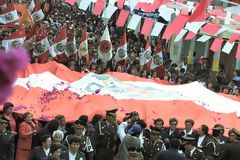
(187, 133)
(191, 152)
(200, 140)
(72, 157)
(46, 151)
(171, 131)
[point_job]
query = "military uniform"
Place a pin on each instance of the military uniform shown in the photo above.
(213, 148)
(106, 135)
(196, 155)
(150, 149)
(6, 144)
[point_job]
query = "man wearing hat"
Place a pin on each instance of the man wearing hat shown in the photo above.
(231, 150)
(106, 136)
(6, 142)
(192, 152)
(134, 155)
(152, 145)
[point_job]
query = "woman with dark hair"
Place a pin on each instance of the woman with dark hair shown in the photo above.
(26, 130)
(8, 116)
(55, 152)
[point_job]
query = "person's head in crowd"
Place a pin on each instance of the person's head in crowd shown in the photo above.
(209, 85)
(3, 125)
(8, 108)
(71, 66)
(27, 116)
(174, 143)
(237, 92)
(166, 77)
(179, 80)
(142, 123)
(133, 71)
(154, 74)
(203, 130)
(173, 122)
(79, 129)
(83, 120)
(97, 118)
(61, 119)
(93, 67)
(234, 135)
(158, 123)
(154, 135)
(189, 123)
(57, 136)
(53, 125)
(134, 155)
(111, 115)
(144, 74)
(119, 68)
(99, 69)
(225, 90)
(131, 117)
(188, 143)
(135, 130)
(35, 59)
(55, 151)
(46, 141)
(123, 69)
(217, 131)
(182, 71)
(74, 144)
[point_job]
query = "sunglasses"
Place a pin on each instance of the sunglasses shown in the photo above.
(173, 124)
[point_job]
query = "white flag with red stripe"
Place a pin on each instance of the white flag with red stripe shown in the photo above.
(145, 57)
(157, 58)
(37, 14)
(41, 49)
(121, 54)
(58, 48)
(15, 40)
(83, 48)
(105, 46)
(9, 15)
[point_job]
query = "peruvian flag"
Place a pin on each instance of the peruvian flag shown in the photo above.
(3, 4)
(44, 90)
(71, 48)
(31, 6)
(30, 39)
(105, 46)
(121, 55)
(83, 48)
(37, 14)
(14, 40)
(145, 57)
(157, 60)
(41, 49)
(9, 15)
(58, 48)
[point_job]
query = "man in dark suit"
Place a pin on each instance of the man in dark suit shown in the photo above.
(231, 150)
(192, 152)
(6, 142)
(203, 137)
(188, 131)
(42, 152)
(73, 153)
(171, 153)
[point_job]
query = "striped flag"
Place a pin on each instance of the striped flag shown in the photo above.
(121, 55)
(9, 15)
(83, 48)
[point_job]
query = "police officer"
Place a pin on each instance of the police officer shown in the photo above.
(6, 142)
(152, 145)
(231, 150)
(191, 151)
(106, 135)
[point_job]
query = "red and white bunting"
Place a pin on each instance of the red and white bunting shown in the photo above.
(15, 40)
(105, 46)
(9, 15)
(83, 48)
(121, 54)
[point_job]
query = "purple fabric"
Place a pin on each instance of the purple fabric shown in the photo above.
(10, 63)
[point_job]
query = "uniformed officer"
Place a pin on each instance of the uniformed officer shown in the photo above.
(231, 150)
(6, 142)
(152, 145)
(134, 155)
(192, 152)
(106, 135)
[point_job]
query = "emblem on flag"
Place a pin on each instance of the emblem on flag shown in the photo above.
(39, 48)
(147, 54)
(9, 16)
(71, 48)
(16, 44)
(121, 53)
(105, 46)
(157, 59)
(36, 17)
(60, 47)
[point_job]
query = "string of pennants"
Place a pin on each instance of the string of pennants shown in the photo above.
(180, 26)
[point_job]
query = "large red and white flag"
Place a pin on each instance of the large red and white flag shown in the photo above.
(157, 60)
(9, 15)
(146, 57)
(58, 48)
(149, 97)
(121, 55)
(105, 46)
(41, 50)
(83, 48)
(37, 14)
(14, 40)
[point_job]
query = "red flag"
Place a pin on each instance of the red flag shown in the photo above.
(145, 57)
(98, 7)
(147, 26)
(200, 14)
(216, 45)
(122, 18)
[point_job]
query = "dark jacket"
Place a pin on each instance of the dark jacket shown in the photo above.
(38, 154)
(170, 154)
(6, 146)
(196, 155)
(79, 156)
(231, 151)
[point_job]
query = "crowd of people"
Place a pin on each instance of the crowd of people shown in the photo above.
(105, 138)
